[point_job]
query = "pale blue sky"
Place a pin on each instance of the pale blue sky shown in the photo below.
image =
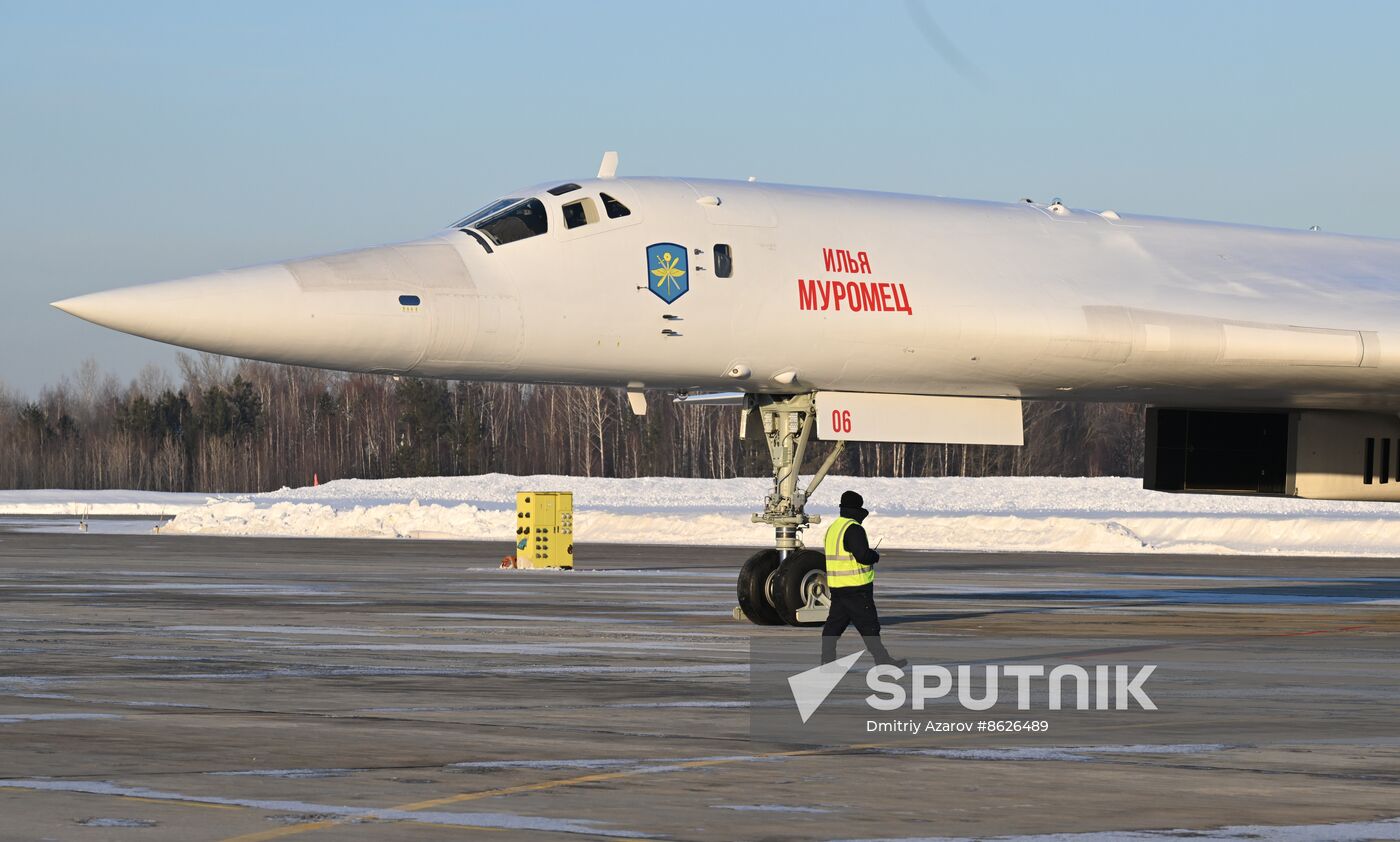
(151, 140)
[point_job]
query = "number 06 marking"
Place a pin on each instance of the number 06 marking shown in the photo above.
(840, 420)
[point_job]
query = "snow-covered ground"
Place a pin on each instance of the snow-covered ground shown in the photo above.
(1003, 513)
(97, 503)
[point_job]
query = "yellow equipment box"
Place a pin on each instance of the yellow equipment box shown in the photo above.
(544, 529)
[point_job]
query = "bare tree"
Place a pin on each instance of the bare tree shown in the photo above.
(246, 426)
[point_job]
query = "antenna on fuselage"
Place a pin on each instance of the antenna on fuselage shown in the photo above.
(608, 168)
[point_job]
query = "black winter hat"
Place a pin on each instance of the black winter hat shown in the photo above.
(852, 500)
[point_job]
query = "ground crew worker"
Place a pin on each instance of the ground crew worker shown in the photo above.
(850, 577)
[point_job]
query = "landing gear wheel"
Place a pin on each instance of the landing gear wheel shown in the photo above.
(800, 581)
(754, 599)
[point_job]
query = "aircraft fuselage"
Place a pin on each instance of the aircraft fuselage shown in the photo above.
(826, 290)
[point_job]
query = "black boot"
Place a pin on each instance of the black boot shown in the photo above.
(829, 648)
(882, 655)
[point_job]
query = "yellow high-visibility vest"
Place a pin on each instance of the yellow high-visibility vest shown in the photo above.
(842, 569)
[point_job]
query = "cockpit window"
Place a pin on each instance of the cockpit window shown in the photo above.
(562, 189)
(579, 213)
(614, 208)
(499, 204)
(526, 219)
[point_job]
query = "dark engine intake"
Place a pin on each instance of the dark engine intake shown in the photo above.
(1318, 454)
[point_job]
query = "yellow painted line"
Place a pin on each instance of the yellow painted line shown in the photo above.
(279, 832)
(456, 826)
(546, 785)
(204, 804)
(612, 776)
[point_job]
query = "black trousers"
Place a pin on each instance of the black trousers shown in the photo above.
(853, 606)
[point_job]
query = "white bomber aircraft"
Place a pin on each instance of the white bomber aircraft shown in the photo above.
(1270, 359)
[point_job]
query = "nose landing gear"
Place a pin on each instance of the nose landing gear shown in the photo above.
(756, 603)
(786, 584)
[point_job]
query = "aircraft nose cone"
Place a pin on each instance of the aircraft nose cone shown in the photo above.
(79, 305)
(200, 312)
(92, 307)
(342, 311)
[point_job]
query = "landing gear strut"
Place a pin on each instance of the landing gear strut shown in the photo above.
(786, 584)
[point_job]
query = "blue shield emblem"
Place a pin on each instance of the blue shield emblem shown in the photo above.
(668, 271)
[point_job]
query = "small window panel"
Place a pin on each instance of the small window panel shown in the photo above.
(724, 261)
(482, 213)
(525, 220)
(407, 301)
(580, 213)
(615, 209)
(562, 189)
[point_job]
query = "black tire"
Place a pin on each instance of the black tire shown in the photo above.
(801, 571)
(753, 589)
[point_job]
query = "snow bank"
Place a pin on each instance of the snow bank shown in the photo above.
(97, 503)
(1001, 513)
